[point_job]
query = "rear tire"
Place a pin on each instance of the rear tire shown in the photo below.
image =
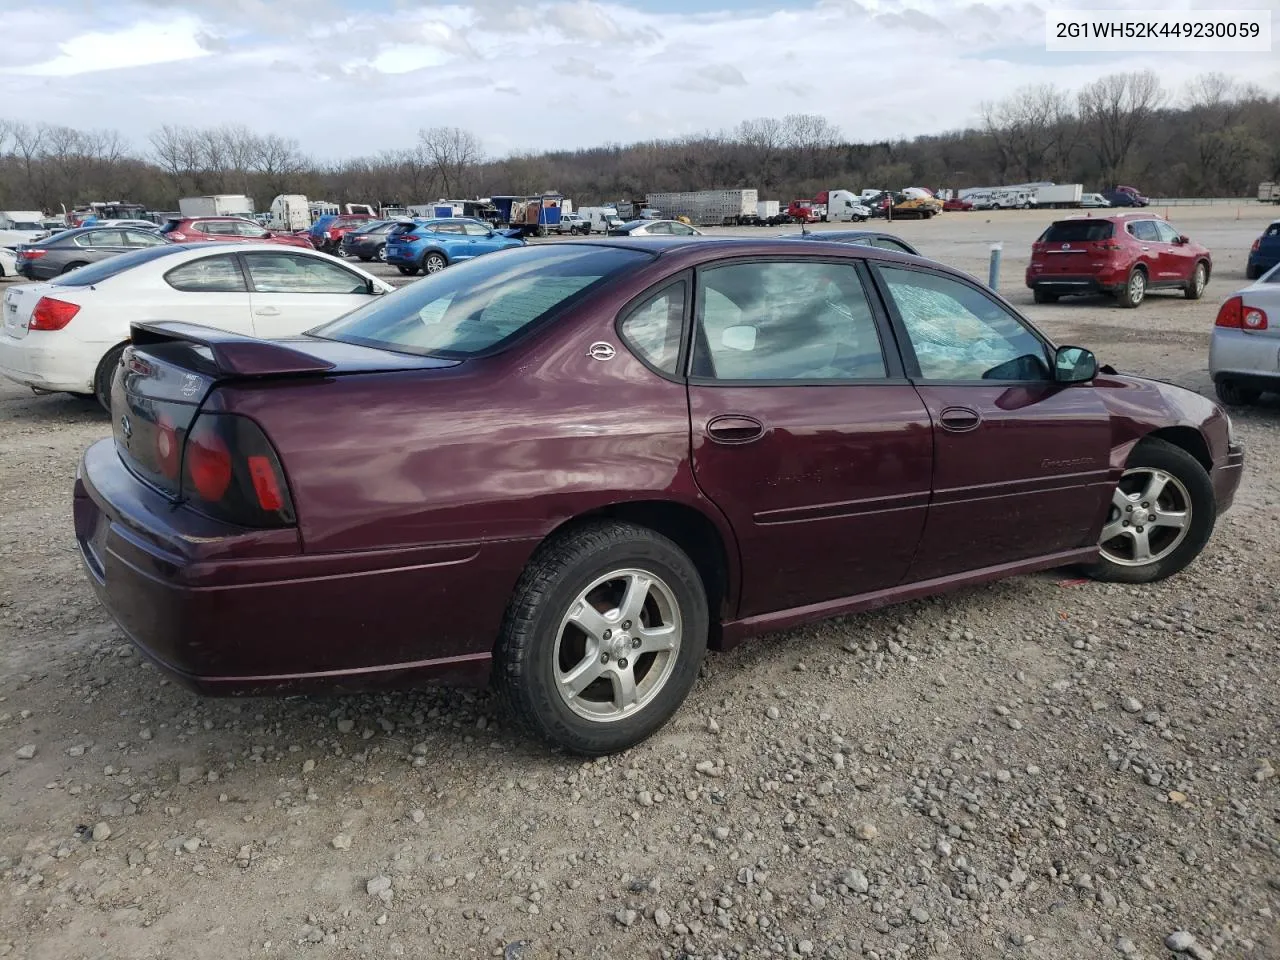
(72, 266)
(1043, 296)
(1251, 272)
(1135, 289)
(407, 271)
(1195, 286)
(1235, 395)
(1182, 490)
(434, 263)
(542, 649)
(105, 373)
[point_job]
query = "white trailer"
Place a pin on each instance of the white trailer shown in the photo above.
(1268, 192)
(707, 207)
(1060, 195)
(289, 211)
(217, 205)
(767, 209)
(21, 226)
(600, 219)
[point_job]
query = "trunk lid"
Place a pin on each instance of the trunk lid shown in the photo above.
(18, 305)
(171, 368)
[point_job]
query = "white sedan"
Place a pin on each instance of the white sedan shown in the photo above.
(67, 335)
(8, 263)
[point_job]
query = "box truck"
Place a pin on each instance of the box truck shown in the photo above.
(1268, 192)
(289, 211)
(601, 219)
(1060, 195)
(21, 226)
(217, 205)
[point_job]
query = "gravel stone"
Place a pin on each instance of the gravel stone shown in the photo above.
(26, 751)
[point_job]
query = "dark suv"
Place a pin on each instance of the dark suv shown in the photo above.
(1125, 255)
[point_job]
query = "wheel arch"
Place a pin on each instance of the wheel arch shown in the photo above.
(428, 251)
(1186, 438)
(708, 544)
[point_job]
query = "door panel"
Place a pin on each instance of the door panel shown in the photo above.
(1021, 463)
(820, 460)
(830, 499)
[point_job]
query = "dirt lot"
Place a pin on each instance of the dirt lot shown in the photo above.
(1039, 769)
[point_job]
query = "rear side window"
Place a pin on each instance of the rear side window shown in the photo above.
(1078, 231)
(220, 274)
(1145, 230)
(785, 321)
(653, 329)
(482, 304)
(1273, 230)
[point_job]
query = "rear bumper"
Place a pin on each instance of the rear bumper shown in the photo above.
(228, 610)
(1262, 262)
(1245, 358)
(1063, 284)
(26, 361)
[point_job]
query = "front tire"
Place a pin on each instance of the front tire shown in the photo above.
(603, 638)
(1234, 395)
(104, 375)
(1195, 286)
(1135, 289)
(1161, 516)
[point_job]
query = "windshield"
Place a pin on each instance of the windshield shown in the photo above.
(1078, 231)
(106, 269)
(480, 305)
(26, 225)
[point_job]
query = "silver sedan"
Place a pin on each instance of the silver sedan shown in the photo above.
(655, 228)
(1244, 350)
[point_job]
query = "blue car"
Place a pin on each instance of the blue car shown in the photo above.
(1265, 252)
(431, 245)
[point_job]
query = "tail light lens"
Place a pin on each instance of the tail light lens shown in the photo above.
(51, 314)
(231, 472)
(32, 254)
(176, 237)
(1233, 315)
(1256, 244)
(1109, 245)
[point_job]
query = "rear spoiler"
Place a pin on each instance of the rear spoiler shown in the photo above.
(234, 355)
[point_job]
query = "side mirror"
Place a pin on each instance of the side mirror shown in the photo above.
(372, 288)
(1184, 239)
(1074, 365)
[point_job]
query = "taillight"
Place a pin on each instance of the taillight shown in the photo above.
(167, 450)
(1255, 318)
(1256, 244)
(176, 236)
(1230, 313)
(32, 254)
(51, 314)
(1107, 245)
(231, 473)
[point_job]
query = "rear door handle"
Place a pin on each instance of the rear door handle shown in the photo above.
(734, 428)
(267, 312)
(959, 419)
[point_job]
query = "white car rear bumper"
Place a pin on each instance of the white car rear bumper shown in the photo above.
(29, 362)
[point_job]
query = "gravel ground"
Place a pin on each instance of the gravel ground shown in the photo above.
(1044, 768)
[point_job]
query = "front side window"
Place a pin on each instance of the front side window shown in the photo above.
(218, 274)
(299, 273)
(1166, 231)
(958, 333)
(482, 304)
(785, 320)
(653, 329)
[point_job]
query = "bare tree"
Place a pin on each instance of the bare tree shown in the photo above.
(177, 151)
(1031, 131)
(1116, 110)
(277, 159)
(455, 154)
(812, 136)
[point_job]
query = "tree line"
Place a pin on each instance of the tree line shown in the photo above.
(1214, 137)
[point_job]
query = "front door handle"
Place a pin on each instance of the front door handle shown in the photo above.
(734, 428)
(959, 419)
(267, 312)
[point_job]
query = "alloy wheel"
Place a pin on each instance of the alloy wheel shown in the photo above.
(1199, 281)
(381, 255)
(617, 645)
(434, 263)
(1137, 286)
(1149, 517)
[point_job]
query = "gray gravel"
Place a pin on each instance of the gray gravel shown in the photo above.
(1044, 768)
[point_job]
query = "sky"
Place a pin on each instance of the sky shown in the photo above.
(355, 77)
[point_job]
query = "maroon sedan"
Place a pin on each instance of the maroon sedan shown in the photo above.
(567, 469)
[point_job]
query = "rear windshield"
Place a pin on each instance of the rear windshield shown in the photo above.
(26, 225)
(1078, 231)
(478, 306)
(87, 276)
(170, 226)
(1273, 230)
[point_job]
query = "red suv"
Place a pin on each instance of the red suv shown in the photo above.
(226, 230)
(1125, 255)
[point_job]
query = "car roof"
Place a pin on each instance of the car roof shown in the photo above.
(702, 248)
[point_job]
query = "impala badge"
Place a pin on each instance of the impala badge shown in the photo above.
(601, 351)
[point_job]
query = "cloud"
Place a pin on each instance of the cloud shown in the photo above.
(578, 67)
(538, 74)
